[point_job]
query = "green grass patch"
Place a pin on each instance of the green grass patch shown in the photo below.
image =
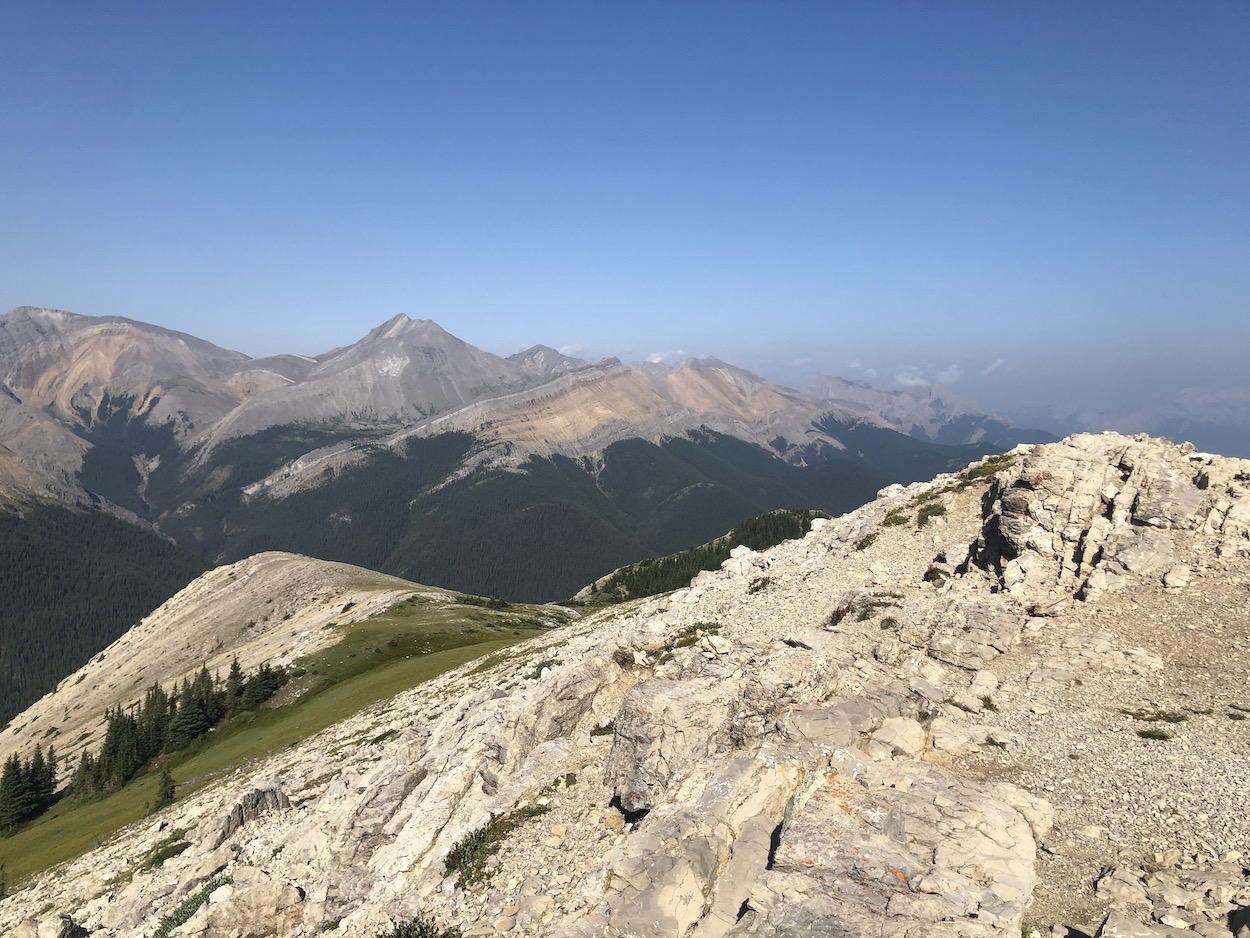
(928, 512)
(896, 518)
(1153, 733)
(536, 671)
(375, 659)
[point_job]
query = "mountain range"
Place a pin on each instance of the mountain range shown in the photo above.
(414, 453)
(94, 411)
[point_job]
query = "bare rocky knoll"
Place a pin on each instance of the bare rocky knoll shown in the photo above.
(1008, 699)
(271, 607)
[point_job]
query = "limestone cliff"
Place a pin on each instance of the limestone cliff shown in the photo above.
(950, 712)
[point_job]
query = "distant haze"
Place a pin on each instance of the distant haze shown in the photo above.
(1042, 208)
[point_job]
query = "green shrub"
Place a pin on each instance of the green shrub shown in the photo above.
(472, 852)
(866, 541)
(987, 470)
(1153, 733)
(896, 518)
(188, 907)
(171, 846)
(928, 512)
(540, 666)
(419, 927)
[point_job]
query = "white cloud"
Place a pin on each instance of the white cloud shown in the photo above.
(948, 375)
(657, 358)
(856, 365)
(993, 366)
(573, 349)
(911, 378)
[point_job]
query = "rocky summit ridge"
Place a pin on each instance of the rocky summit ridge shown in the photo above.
(1010, 699)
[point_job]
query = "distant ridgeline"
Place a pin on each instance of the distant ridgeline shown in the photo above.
(73, 581)
(536, 535)
(656, 575)
(160, 725)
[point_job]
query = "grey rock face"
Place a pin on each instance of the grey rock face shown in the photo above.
(255, 803)
(663, 728)
(1076, 517)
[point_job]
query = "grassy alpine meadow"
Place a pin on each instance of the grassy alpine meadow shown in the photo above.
(413, 641)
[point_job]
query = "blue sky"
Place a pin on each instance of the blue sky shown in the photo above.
(1031, 201)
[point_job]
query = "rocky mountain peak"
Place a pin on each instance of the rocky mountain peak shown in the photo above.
(1005, 699)
(546, 361)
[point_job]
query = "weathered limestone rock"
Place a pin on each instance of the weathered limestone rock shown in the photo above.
(902, 735)
(51, 926)
(1082, 514)
(904, 845)
(664, 728)
(257, 802)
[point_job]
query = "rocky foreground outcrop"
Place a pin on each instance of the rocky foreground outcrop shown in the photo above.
(1009, 699)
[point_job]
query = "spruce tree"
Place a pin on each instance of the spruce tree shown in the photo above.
(235, 683)
(36, 780)
(11, 783)
(164, 790)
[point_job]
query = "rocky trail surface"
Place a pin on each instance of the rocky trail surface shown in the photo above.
(1011, 699)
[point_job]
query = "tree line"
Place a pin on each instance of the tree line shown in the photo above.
(661, 574)
(160, 725)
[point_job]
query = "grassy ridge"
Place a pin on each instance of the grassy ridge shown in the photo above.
(412, 642)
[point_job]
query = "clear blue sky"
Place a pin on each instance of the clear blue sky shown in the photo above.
(896, 189)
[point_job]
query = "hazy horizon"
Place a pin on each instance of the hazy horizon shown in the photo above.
(1038, 208)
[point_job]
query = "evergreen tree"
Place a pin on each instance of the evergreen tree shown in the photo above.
(164, 790)
(235, 683)
(12, 783)
(36, 781)
(189, 723)
(81, 783)
(50, 779)
(154, 716)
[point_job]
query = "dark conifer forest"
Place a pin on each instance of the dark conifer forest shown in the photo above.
(74, 580)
